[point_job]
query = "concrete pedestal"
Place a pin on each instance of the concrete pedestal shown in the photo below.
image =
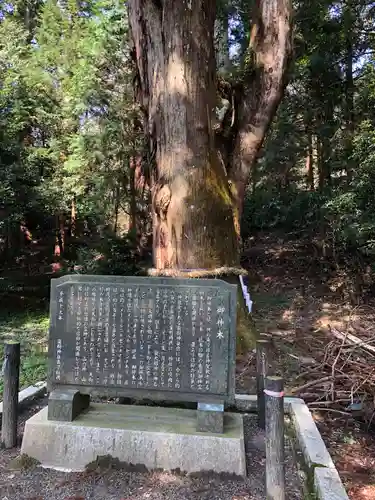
(155, 437)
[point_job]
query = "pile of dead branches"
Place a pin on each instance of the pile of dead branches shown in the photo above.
(342, 378)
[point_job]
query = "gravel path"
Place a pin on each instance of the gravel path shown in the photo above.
(110, 484)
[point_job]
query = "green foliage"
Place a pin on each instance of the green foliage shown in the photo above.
(112, 256)
(327, 121)
(293, 211)
(30, 328)
(69, 127)
(66, 116)
(352, 210)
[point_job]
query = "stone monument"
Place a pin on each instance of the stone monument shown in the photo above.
(159, 339)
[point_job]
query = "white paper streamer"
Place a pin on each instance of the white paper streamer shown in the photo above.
(246, 295)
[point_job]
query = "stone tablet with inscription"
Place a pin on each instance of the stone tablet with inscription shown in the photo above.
(157, 338)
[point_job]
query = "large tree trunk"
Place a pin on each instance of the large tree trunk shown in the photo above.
(192, 205)
(269, 55)
(197, 200)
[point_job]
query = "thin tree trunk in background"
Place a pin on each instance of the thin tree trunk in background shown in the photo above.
(73, 218)
(222, 45)
(270, 50)
(117, 206)
(310, 163)
(320, 162)
(323, 149)
(57, 252)
(8, 243)
(60, 235)
(349, 89)
(286, 176)
(253, 177)
(326, 164)
(133, 196)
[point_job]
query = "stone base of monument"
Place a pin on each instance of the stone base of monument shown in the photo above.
(157, 438)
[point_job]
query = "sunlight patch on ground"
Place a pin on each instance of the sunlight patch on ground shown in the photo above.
(24, 326)
(278, 251)
(30, 328)
(166, 478)
(366, 493)
(288, 315)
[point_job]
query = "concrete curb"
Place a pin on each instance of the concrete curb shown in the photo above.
(27, 396)
(321, 469)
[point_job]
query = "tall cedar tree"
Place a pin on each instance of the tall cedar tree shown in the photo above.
(197, 201)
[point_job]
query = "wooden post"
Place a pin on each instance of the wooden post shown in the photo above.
(11, 376)
(275, 462)
(262, 347)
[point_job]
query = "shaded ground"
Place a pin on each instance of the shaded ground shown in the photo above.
(38, 484)
(25, 318)
(297, 296)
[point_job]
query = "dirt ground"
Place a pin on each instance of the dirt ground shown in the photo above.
(105, 483)
(297, 297)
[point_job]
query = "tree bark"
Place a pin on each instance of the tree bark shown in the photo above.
(320, 162)
(310, 162)
(196, 199)
(192, 204)
(133, 195)
(73, 217)
(60, 235)
(270, 52)
(222, 45)
(116, 196)
(324, 170)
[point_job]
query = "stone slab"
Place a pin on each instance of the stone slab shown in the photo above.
(26, 396)
(66, 404)
(328, 485)
(309, 438)
(249, 402)
(210, 418)
(155, 437)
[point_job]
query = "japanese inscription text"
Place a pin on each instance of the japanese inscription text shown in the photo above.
(156, 334)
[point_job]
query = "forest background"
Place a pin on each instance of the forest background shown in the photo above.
(75, 164)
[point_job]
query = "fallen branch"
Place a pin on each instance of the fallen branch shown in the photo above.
(309, 372)
(332, 410)
(334, 366)
(345, 371)
(352, 339)
(329, 403)
(316, 382)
